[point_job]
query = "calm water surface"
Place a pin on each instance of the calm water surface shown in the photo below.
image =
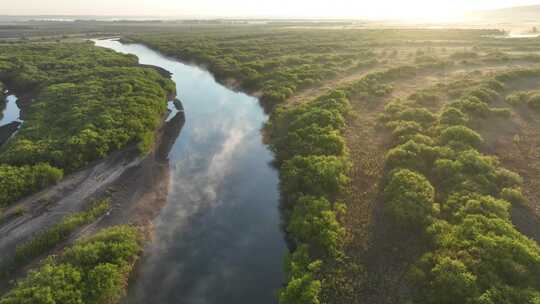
(9, 111)
(218, 240)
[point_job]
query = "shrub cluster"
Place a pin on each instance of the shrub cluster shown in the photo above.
(313, 170)
(88, 101)
(93, 271)
(529, 98)
(18, 181)
(274, 63)
(439, 182)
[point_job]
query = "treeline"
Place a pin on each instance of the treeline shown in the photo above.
(88, 102)
(92, 271)
(276, 63)
(313, 165)
(440, 185)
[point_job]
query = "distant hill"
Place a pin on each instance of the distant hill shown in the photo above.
(518, 14)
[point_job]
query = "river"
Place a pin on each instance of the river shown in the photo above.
(218, 239)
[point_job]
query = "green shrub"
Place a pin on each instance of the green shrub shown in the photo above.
(20, 181)
(311, 140)
(313, 222)
(409, 198)
(504, 263)
(93, 271)
(507, 179)
(414, 156)
(402, 131)
(486, 95)
(302, 286)
(314, 175)
(473, 107)
(460, 137)
(517, 98)
(461, 204)
(452, 117)
(418, 115)
(513, 195)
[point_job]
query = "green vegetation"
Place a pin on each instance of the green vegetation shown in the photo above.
(89, 101)
(94, 270)
(277, 63)
(47, 240)
(409, 198)
(18, 181)
(476, 255)
(313, 171)
(529, 98)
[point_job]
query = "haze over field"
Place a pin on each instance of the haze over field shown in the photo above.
(385, 9)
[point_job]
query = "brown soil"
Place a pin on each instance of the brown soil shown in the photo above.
(516, 142)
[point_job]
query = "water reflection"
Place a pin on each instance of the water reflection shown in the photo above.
(9, 110)
(9, 118)
(218, 238)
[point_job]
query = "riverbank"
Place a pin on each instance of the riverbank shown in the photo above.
(114, 177)
(231, 83)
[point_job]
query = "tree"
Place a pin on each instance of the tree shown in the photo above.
(409, 198)
(313, 221)
(314, 175)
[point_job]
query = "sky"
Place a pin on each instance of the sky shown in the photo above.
(370, 9)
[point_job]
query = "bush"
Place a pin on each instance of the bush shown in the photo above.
(452, 117)
(418, 115)
(92, 271)
(460, 137)
(409, 198)
(486, 95)
(311, 140)
(517, 98)
(472, 106)
(313, 222)
(402, 131)
(414, 156)
(314, 175)
(17, 182)
(302, 286)
(461, 204)
(513, 195)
